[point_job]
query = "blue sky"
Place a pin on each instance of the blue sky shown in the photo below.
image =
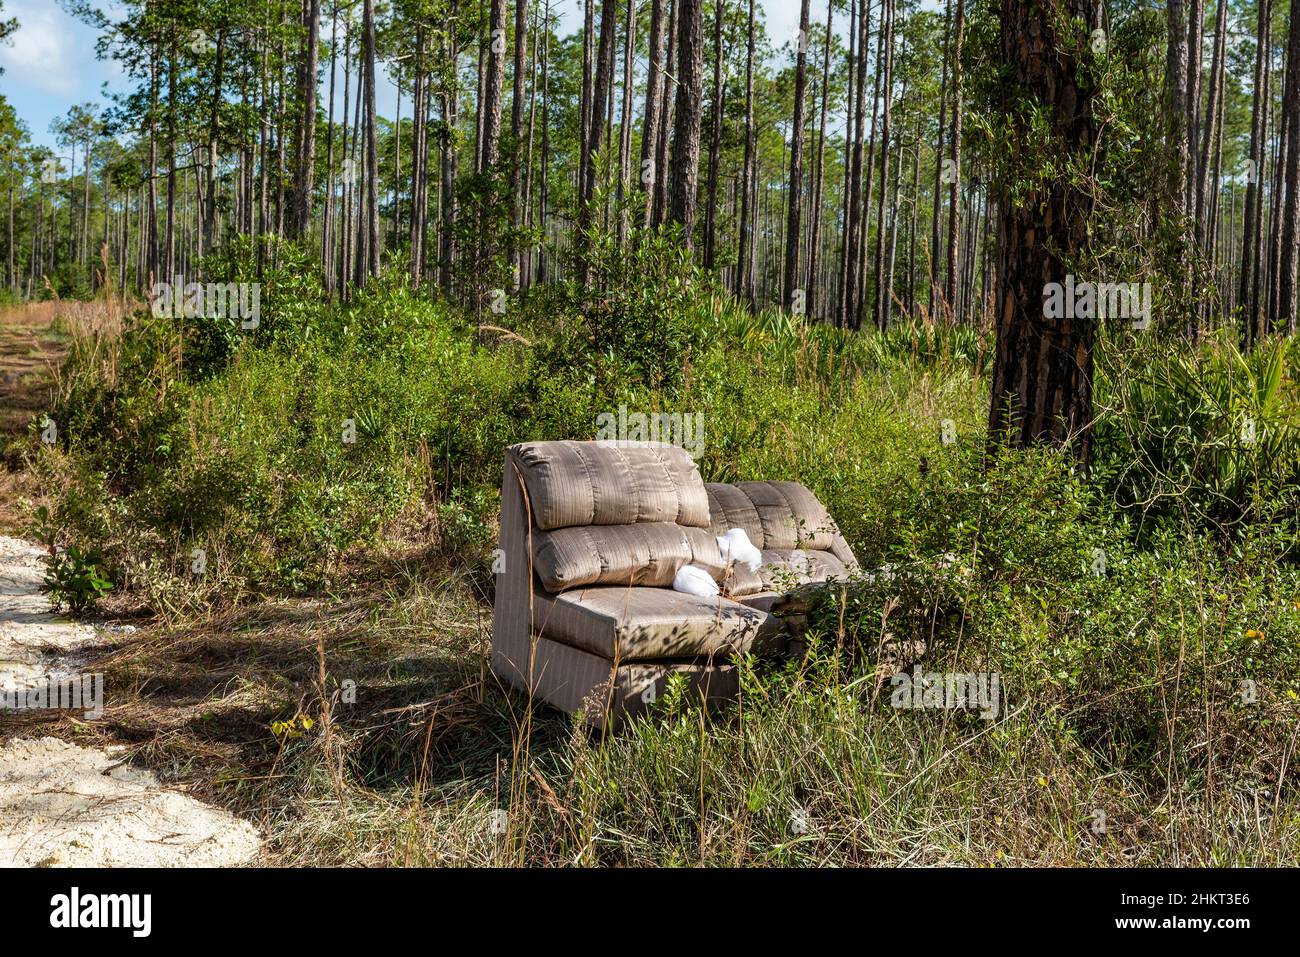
(50, 62)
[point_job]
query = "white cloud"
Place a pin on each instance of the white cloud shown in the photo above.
(43, 54)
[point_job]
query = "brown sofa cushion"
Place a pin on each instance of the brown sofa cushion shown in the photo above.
(773, 514)
(610, 483)
(634, 623)
(784, 568)
(649, 553)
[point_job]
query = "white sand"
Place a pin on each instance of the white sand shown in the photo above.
(26, 623)
(65, 805)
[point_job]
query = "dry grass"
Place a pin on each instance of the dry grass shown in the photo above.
(413, 748)
(363, 727)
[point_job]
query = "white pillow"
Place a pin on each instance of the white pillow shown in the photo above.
(736, 547)
(694, 580)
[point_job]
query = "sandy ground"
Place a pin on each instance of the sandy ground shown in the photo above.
(65, 805)
(27, 628)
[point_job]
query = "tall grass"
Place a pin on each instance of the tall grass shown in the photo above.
(1144, 617)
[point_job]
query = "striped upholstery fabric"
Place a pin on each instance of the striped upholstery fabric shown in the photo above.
(524, 651)
(762, 600)
(611, 483)
(592, 534)
(773, 514)
(633, 624)
(783, 568)
(797, 537)
(649, 553)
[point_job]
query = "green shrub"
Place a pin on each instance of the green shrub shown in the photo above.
(1208, 433)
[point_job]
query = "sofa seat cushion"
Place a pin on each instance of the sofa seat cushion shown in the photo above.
(783, 569)
(648, 553)
(610, 483)
(773, 514)
(625, 623)
(762, 600)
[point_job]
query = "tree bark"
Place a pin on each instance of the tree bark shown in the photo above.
(625, 121)
(951, 294)
(819, 175)
(1042, 373)
(1248, 288)
(1290, 234)
(887, 89)
(794, 191)
(715, 143)
(689, 112)
(493, 85)
(653, 106)
(306, 158)
(372, 150)
(745, 262)
(517, 136)
(667, 123)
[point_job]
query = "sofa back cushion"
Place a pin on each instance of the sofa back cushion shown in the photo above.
(646, 553)
(574, 484)
(775, 515)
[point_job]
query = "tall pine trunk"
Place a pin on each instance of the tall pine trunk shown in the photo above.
(306, 152)
(1042, 372)
(794, 192)
(689, 113)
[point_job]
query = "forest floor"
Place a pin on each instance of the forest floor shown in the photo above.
(61, 803)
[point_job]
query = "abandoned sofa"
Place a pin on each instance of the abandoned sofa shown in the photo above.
(592, 534)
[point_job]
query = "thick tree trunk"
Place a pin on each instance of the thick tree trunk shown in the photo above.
(1042, 373)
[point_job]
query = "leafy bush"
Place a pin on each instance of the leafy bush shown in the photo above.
(648, 313)
(73, 577)
(1211, 433)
